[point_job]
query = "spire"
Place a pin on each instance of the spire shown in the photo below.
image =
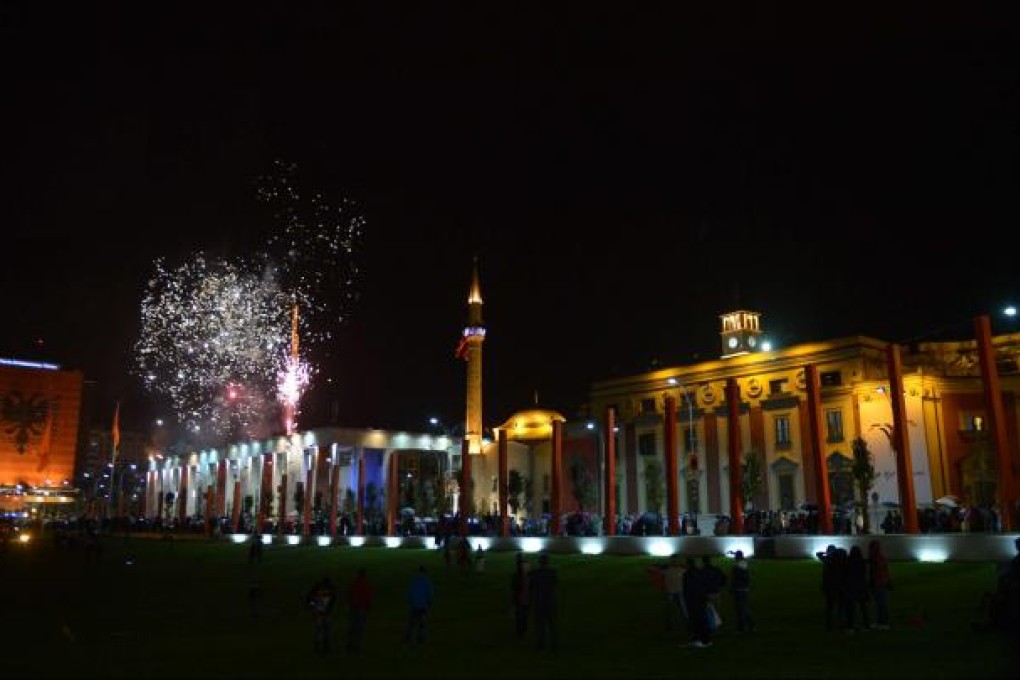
(475, 297)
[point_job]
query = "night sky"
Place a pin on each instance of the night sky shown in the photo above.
(624, 173)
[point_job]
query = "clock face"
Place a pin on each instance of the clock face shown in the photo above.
(732, 342)
(751, 341)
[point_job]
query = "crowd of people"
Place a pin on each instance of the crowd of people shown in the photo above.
(855, 587)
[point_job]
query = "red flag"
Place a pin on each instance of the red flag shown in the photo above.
(116, 430)
(462, 349)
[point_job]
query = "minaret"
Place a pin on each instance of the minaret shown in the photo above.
(471, 349)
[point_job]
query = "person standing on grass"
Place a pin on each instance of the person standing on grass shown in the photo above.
(419, 599)
(696, 601)
(740, 588)
(359, 598)
(520, 596)
(321, 599)
(831, 586)
(543, 586)
(673, 587)
(856, 589)
(879, 581)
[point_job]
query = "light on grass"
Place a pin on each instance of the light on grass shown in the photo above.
(593, 547)
(745, 545)
(476, 541)
(932, 555)
(532, 545)
(324, 541)
(357, 541)
(660, 548)
(267, 539)
(238, 538)
(393, 541)
(293, 540)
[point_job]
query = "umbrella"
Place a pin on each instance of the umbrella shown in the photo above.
(948, 501)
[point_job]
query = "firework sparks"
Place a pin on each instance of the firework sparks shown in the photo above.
(211, 340)
(215, 332)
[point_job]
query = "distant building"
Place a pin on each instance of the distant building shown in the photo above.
(39, 426)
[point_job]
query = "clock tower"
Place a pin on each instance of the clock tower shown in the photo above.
(741, 333)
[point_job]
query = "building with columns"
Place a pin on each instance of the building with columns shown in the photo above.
(952, 449)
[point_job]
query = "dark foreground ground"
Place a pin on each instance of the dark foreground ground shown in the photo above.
(180, 609)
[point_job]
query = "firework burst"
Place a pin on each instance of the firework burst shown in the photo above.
(215, 332)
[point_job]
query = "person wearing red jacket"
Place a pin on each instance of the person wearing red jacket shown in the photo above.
(359, 599)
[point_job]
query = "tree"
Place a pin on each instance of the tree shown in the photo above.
(350, 502)
(583, 485)
(863, 471)
(529, 495)
(655, 485)
(752, 475)
(168, 503)
(515, 487)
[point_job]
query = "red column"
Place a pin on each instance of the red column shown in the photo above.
(392, 494)
(672, 495)
(182, 496)
(814, 413)
(557, 476)
(221, 488)
(465, 485)
(361, 492)
(610, 465)
(306, 530)
(901, 440)
(236, 514)
(504, 482)
(283, 503)
(734, 446)
(334, 501)
(996, 419)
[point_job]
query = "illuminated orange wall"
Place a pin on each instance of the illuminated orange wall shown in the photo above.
(58, 396)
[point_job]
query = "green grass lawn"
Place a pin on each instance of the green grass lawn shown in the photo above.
(181, 610)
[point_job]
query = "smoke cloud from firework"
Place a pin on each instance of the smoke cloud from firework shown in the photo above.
(215, 340)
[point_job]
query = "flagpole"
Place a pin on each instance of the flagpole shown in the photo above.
(115, 436)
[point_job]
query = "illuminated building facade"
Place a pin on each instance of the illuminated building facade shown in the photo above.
(39, 407)
(950, 450)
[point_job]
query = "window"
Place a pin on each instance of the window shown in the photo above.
(782, 432)
(786, 492)
(972, 421)
(648, 405)
(690, 440)
(831, 379)
(545, 483)
(646, 444)
(777, 386)
(834, 425)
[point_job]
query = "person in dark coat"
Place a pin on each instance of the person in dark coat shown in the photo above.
(740, 588)
(696, 601)
(831, 586)
(543, 585)
(856, 589)
(321, 599)
(520, 597)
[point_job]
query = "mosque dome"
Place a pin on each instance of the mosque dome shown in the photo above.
(531, 425)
